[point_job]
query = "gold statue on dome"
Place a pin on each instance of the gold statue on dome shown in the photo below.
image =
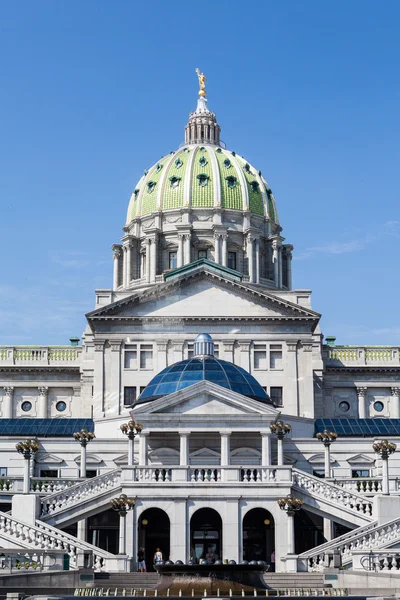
(202, 83)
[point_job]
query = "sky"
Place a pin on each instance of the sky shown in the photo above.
(92, 93)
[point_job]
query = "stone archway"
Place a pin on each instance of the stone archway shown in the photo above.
(154, 532)
(206, 535)
(258, 535)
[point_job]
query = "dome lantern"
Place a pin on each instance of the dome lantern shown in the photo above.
(203, 345)
(202, 127)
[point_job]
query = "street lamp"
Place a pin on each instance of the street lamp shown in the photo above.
(122, 505)
(327, 438)
(28, 449)
(290, 505)
(384, 449)
(280, 429)
(131, 429)
(83, 437)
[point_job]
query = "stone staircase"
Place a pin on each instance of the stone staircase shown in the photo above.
(127, 581)
(369, 538)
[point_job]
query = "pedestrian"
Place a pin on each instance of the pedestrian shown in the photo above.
(210, 557)
(273, 561)
(157, 556)
(141, 561)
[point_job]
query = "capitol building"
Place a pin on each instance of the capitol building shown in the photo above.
(252, 436)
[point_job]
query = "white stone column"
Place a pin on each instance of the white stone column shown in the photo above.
(143, 449)
(265, 448)
(180, 250)
(148, 260)
(124, 259)
(82, 472)
(290, 539)
(231, 530)
(362, 409)
(275, 260)
(6, 409)
(395, 403)
(179, 549)
(328, 533)
(225, 249)
(225, 448)
(116, 256)
(131, 532)
(280, 451)
(162, 346)
(217, 257)
(257, 274)
(128, 263)
(122, 533)
(42, 402)
(81, 530)
(131, 450)
(250, 257)
(184, 448)
(280, 261)
(289, 268)
(153, 259)
(98, 397)
(27, 475)
(188, 238)
(327, 461)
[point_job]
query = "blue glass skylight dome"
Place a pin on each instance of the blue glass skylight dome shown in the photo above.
(203, 367)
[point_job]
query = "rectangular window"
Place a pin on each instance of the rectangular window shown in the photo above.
(202, 254)
(49, 473)
(146, 356)
(275, 356)
(276, 395)
(216, 350)
(260, 356)
(173, 260)
(130, 357)
(190, 350)
(232, 260)
(129, 395)
(360, 473)
(90, 473)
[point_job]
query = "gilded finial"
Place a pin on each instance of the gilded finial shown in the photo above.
(202, 83)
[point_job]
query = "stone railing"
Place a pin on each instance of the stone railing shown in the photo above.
(39, 485)
(40, 355)
(324, 490)
(88, 488)
(209, 474)
(364, 539)
(43, 538)
(377, 560)
(15, 560)
(365, 485)
(361, 355)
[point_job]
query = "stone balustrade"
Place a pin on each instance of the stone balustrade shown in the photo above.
(40, 355)
(210, 474)
(361, 355)
(15, 560)
(365, 485)
(39, 485)
(377, 560)
(368, 538)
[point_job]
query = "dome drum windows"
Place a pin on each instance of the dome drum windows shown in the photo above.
(26, 406)
(203, 179)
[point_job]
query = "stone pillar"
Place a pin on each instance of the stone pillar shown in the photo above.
(7, 411)
(179, 531)
(257, 274)
(81, 530)
(227, 347)
(328, 530)
(122, 533)
(280, 261)
(327, 460)
(116, 255)
(98, 397)
(292, 399)
(289, 268)
(216, 248)
(225, 249)
(131, 533)
(275, 260)
(250, 257)
(188, 238)
(42, 402)
(395, 403)
(162, 346)
(265, 448)
(143, 449)
(290, 539)
(124, 259)
(245, 355)
(128, 264)
(225, 449)
(231, 533)
(280, 451)
(184, 448)
(82, 472)
(362, 409)
(131, 451)
(148, 260)
(180, 250)
(153, 259)
(27, 475)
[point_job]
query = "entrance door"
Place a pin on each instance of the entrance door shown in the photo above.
(258, 535)
(206, 535)
(153, 533)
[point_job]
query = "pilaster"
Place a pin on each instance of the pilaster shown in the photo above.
(42, 402)
(361, 395)
(7, 409)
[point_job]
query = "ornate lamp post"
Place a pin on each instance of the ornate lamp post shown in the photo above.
(280, 429)
(385, 449)
(28, 450)
(122, 505)
(131, 429)
(83, 437)
(327, 438)
(290, 505)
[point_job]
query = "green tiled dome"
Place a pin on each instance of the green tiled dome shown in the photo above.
(199, 176)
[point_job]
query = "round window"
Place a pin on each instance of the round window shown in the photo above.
(378, 406)
(61, 406)
(344, 406)
(26, 406)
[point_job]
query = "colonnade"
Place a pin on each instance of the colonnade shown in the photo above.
(148, 269)
(363, 411)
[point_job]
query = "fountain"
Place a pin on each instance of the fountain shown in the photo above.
(217, 579)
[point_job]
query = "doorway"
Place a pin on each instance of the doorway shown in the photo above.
(258, 535)
(153, 533)
(206, 535)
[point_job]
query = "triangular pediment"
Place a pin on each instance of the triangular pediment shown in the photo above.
(122, 460)
(203, 294)
(359, 459)
(205, 398)
(49, 459)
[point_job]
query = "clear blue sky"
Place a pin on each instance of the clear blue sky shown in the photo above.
(94, 92)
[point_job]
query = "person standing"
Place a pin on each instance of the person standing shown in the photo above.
(141, 561)
(157, 556)
(273, 561)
